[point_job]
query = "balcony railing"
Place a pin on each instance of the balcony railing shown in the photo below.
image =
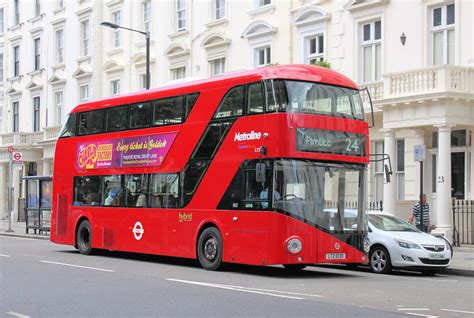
(20, 138)
(430, 80)
(51, 133)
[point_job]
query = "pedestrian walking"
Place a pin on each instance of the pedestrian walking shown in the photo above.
(420, 209)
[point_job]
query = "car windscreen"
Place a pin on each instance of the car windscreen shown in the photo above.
(390, 223)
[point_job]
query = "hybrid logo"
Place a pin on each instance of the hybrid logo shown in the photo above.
(247, 136)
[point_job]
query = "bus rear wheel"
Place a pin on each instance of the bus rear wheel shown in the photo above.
(84, 238)
(209, 249)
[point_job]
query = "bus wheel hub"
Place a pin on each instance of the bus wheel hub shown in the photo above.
(210, 248)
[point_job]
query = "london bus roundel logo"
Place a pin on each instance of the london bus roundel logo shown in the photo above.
(138, 230)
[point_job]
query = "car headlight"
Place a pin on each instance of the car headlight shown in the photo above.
(294, 246)
(406, 244)
(448, 246)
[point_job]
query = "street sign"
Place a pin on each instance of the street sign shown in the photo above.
(420, 152)
(10, 149)
(17, 157)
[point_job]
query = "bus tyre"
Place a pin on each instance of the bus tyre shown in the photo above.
(84, 238)
(294, 267)
(379, 260)
(209, 249)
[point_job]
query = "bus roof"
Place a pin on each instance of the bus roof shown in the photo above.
(302, 72)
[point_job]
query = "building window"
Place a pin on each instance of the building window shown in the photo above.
(85, 35)
(179, 72)
(379, 172)
(16, 12)
(58, 101)
(16, 116)
(59, 4)
(442, 33)
(115, 87)
(37, 8)
(261, 3)
(371, 46)
(181, 14)
(59, 46)
(146, 7)
(400, 169)
(2, 20)
(314, 48)
(36, 113)
(217, 66)
(16, 61)
(262, 56)
(37, 60)
(84, 93)
(116, 38)
(1, 68)
(220, 9)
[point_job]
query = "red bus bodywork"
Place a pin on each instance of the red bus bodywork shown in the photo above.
(249, 237)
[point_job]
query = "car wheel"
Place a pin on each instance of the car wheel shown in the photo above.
(209, 249)
(84, 238)
(380, 260)
(294, 267)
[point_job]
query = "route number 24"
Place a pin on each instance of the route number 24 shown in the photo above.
(352, 146)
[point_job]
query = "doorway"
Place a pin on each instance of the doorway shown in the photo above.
(458, 175)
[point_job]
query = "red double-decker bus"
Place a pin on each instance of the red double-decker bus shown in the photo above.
(266, 166)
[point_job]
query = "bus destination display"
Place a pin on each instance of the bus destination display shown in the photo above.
(330, 141)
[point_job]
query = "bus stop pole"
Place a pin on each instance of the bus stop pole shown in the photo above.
(10, 195)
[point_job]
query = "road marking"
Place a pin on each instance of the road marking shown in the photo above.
(461, 311)
(413, 309)
(12, 313)
(4, 255)
(79, 266)
(284, 292)
(421, 315)
(230, 287)
(16, 237)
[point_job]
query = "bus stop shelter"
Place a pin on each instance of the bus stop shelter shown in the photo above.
(39, 191)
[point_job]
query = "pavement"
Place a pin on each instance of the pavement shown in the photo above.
(462, 263)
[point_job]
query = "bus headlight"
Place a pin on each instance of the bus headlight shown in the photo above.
(366, 245)
(294, 246)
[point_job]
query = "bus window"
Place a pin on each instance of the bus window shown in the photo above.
(112, 193)
(168, 111)
(92, 122)
(255, 99)
(117, 118)
(69, 127)
(190, 101)
(232, 104)
(344, 105)
(233, 195)
(86, 190)
(164, 190)
(140, 115)
(277, 98)
(213, 136)
(358, 105)
(136, 187)
(192, 175)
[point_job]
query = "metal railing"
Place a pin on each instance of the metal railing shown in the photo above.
(371, 206)
(463, 222)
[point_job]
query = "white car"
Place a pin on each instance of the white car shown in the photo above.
(396, 244)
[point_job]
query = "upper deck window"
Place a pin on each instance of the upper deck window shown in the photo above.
(117, 118)
(140, 115)
(233, 103)
(69, 127)
(306, 97)
(92, 122)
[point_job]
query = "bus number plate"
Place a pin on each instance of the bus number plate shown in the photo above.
(335, 255)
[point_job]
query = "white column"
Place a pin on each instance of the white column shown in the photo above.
(389, 189)
(471, 188)
(443, 178)
(16, 195)
(3, 190)
(46, 167)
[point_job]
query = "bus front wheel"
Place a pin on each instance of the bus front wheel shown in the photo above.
(209, 249)
(84, 238)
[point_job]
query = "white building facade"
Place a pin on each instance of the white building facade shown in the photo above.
(416, 58)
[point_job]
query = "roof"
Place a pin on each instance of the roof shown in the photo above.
(301, 72)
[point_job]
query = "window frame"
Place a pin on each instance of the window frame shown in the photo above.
(115, 84)
(373, 43)
(400, 174)
(181, 15)
(267, 54)
(84, 88)
(58, 107)
(218, 63)
(443, 28)
(36, 113)
(37, 54)
(15, 116)
(59, 46)
(146, 15)
(116, 18)
(219, 10)
(85, 37)
(16, 60)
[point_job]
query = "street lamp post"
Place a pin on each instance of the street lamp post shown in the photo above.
(147, 36)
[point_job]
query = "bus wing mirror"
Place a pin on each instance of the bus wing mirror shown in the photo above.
(372, 124)
(387, 173)
(260, 172)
